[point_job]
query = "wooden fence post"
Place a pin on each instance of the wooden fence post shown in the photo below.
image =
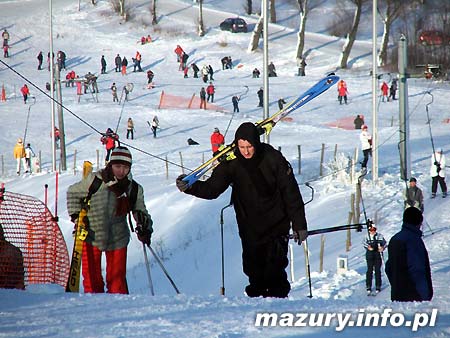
(299, 148)
(335, 152)
(75, 162)
(167, 169)
(322, 155)
(181, 162)
(322, 252)
(348, 242)
(98, 159)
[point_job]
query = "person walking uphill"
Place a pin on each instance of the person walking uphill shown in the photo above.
(217, 140)
(408, 266)
(114, 194)
(19, 155)
(374, 243)
(25, 92)
(437, 173)
(366, 146)
(267, 202)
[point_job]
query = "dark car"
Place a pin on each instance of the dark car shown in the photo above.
(433, 38)
(234, 25)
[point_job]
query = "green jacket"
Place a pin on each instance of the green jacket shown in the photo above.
(106, 231)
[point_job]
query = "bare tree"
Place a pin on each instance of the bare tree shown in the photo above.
(389, 13)
(273, 11)
(304, 10)
(201, 27)
(253, 45)
(154, 16)
(351, 36)
(122, 8)
(249, 7)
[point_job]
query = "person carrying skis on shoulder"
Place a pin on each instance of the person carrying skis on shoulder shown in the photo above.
(374, 243)
(267, 202)
(113, 195)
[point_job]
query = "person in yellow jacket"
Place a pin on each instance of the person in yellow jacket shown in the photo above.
(19, 154)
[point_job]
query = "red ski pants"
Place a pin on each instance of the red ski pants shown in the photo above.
(116, 267)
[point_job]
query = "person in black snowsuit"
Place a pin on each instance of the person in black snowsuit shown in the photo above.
(267, 201)
(103, 63)
(374, 243)
(393, 90)
(40, 58)
(260, 93)
(235, 101)
(211, 72)
(281, 103)
(195, 69)
(118, 63)
(358, 122)
(408, 265)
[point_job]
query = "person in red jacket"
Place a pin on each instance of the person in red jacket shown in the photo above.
(384, 91)
(342, 91)
(217, 139)
(25, 92)
(179, 51)
(210, 90)
(109, 140)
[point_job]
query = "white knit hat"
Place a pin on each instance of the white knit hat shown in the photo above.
(120, 155)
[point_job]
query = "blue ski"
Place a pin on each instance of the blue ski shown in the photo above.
(265, 126)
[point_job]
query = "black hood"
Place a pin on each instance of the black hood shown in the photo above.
(248, 131)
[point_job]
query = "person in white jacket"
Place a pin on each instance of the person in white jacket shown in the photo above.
(437, 173)
(366, 145)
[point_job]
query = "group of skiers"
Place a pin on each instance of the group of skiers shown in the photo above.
(388, 92)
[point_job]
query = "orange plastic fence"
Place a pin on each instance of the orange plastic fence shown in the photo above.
(29, 225)
(169, 101)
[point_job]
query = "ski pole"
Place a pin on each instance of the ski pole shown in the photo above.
(163, 269)
(222, 288)
(428, 225)
(147, 265)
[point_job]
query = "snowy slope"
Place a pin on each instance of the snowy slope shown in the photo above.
(187, 230)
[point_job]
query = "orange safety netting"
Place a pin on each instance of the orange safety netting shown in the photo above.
(168, 101)
(29, 226)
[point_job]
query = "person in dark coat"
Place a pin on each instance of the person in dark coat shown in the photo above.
(281, 103)
(358, 122)
(203, 98)
(211, 72)
(103, 63)
(118, 63)
(413, 195)
(271, 70)
(374, 243)
(12, 270)
(408, 266)
(40, 58)
(260, 93)
(235, 101)
(195, 69)
(267, 202)
(393, 90)
(256, 73)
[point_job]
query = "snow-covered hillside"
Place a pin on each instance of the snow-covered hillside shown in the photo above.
(187, 230)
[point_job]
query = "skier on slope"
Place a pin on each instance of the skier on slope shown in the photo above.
(342, 91)
(267, 202)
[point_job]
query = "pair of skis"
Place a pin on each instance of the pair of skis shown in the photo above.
(265, 126)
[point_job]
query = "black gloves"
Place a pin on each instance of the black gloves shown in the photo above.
(182, 185)
(144, 234)
(299, 236)
(74, 217)
(436, 163)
